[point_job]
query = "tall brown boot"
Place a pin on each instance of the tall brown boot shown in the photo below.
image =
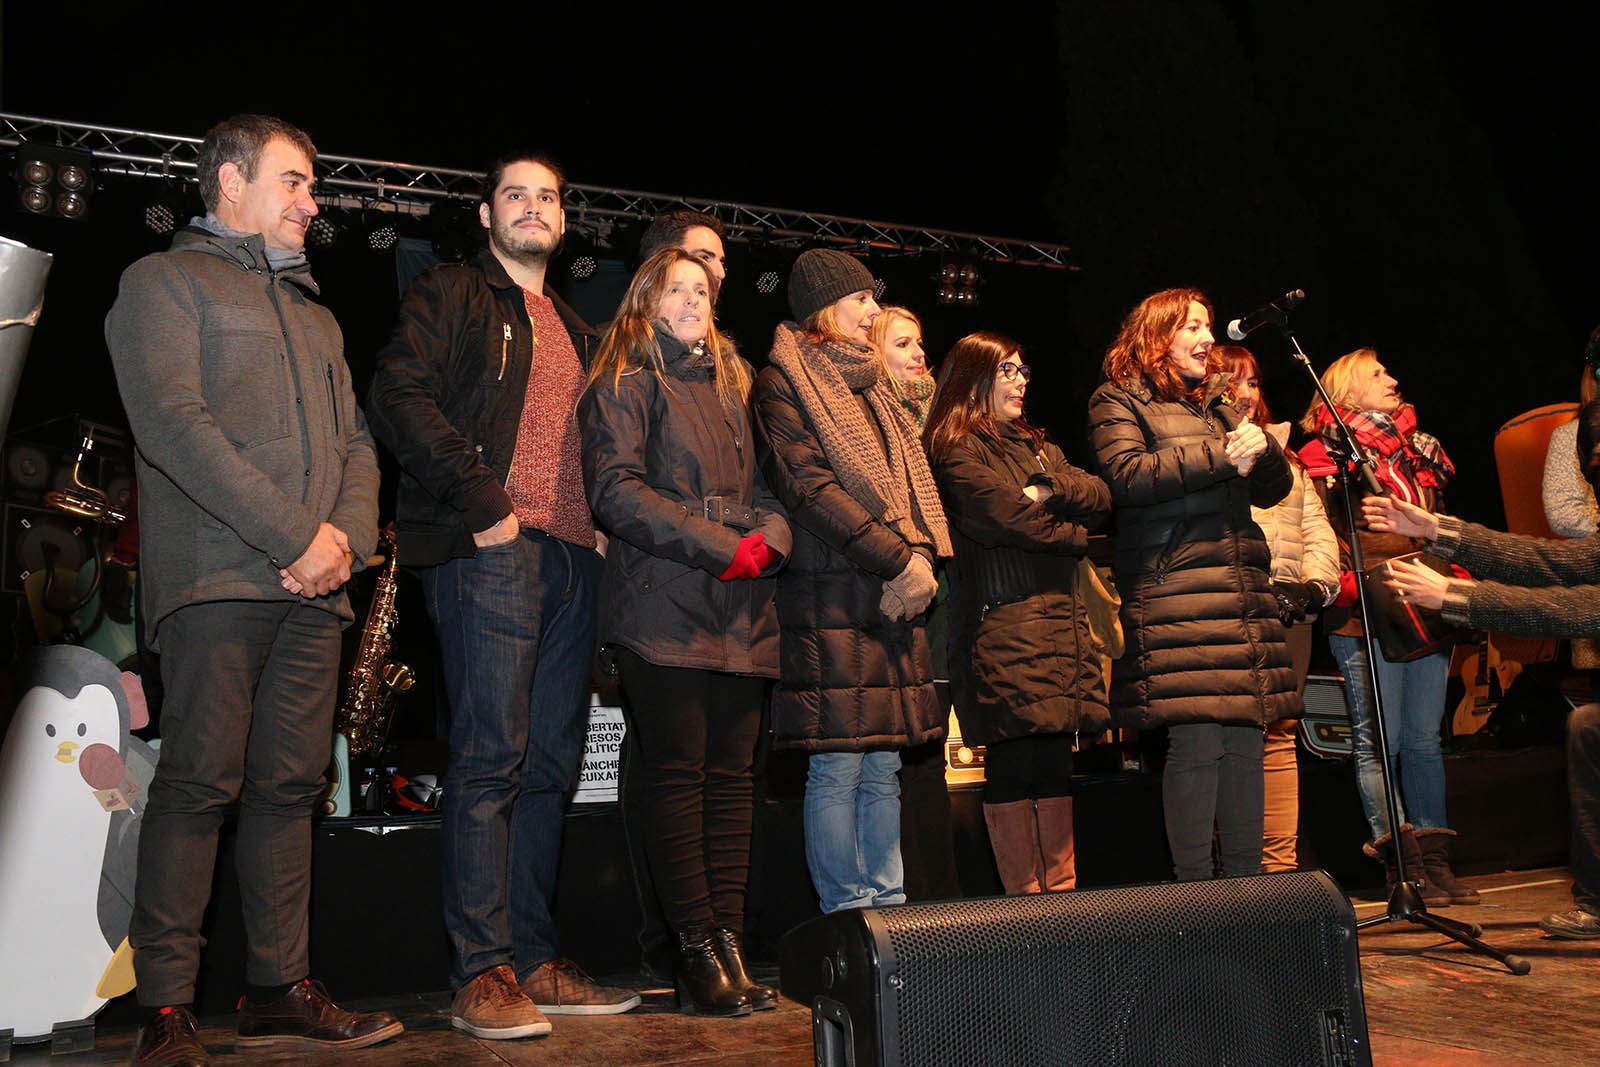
(1382, 851)
(1014, 837)
(1434, 842)
(1056, 843)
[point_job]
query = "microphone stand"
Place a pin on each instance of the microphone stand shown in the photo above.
(1405, 902)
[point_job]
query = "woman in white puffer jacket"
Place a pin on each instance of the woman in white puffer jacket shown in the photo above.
(1305, 577)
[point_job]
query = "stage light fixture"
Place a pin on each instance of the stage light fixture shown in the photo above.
(382, 231)
(958, 282)
(54, 180)
(877, 289)
(581, 249)
(767, 282)
(165, 208)
(322, 233)
(454, 230)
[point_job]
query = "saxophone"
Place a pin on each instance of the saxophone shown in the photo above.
(374, 684)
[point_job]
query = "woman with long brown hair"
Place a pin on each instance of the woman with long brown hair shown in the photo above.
(686, 604)
(1305, 579)
(1024, 667)
(1206, 652)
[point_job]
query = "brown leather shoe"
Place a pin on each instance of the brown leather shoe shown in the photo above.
(493, 1008)
(305, 1018)
(169, 1040)
(559, 987)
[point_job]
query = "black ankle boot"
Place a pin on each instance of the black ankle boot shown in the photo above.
(704, 987)
(731, 953)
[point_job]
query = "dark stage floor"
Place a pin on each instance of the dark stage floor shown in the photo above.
(1428, 1002)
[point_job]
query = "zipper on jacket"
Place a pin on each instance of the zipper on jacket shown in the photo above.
(333, 399)
(505, 342)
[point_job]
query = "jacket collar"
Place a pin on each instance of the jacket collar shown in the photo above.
(495, 272)
(247, 253)
(1215, 386)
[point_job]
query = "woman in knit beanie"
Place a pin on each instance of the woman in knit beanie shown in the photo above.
(855, 671)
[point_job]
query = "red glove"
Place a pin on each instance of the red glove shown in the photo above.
(765, 557)
(748, 558)
(1347, 590)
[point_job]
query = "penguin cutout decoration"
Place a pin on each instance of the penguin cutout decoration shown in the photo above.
(73, 782)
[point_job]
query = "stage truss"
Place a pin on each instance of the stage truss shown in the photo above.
(353, 183)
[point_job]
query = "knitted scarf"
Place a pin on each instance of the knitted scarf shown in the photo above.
(917, 398)
(898, 488)
(1406, 452)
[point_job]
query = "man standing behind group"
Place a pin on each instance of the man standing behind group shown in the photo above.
(475, 395)
(258, 491)
(695, 232)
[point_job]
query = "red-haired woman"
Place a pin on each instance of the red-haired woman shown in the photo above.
(1305, 578)
(686, 603)
(1206, 655)
(1024, 667)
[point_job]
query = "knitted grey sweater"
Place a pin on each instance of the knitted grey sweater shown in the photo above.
(1523, 585)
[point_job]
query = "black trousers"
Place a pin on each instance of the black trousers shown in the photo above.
(696, 732)
(1583, 781)
(249, 717)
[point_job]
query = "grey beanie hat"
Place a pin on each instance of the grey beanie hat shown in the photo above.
(821, 276)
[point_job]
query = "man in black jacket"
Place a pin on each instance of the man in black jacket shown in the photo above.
(475, 396)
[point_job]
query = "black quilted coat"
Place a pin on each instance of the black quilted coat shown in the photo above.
(849, 679)
(1204, 643)
(1022, 657)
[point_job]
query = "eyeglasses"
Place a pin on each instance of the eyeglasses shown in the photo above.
(1008, 371)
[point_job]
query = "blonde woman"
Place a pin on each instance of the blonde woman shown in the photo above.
(1411, 466)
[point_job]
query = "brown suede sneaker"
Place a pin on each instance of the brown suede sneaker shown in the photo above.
(493, 1008)
(170, 1040)
(304, 1018)
(561, 988)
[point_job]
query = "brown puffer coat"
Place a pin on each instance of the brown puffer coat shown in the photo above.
(1204, 642)
(1022, 657)
(849, 679)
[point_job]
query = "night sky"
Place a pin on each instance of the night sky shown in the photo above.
(1424, 181)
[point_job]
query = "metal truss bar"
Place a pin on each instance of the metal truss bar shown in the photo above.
(412, 189)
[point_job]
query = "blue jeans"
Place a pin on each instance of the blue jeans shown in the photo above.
(852, 817)
(516, 627)
(1413, 707)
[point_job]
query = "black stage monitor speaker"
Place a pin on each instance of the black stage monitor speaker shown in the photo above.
(1241, 971)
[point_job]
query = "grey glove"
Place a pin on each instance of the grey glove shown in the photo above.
(915, 586)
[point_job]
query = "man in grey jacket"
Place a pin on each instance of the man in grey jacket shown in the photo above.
(257, 495)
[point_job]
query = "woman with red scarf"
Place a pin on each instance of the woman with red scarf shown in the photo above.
(1411, 466)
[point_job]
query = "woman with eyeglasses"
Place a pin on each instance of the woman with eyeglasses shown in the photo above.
(1024, 667)
(1207, 655)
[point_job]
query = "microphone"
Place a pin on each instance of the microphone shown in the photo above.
(1275, 312)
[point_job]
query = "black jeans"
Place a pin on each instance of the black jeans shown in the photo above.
(696, 731)
(248, 717)
(1213, 778)
(1583, 785)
